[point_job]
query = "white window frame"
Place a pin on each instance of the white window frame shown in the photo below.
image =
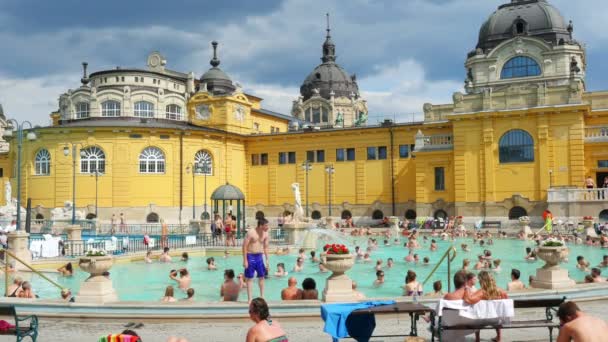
(110, 108)
(201, 157)
(143, 109)
(173, 112)
(152, 161)
(42, 163)
(92, 159)
(82, 110)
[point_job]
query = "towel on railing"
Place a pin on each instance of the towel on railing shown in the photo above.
(151, 242)
(191, 240)
(36, 248)
(335, 315)
(47, 237)
(109, 246)
(125, 242)
(50, 249)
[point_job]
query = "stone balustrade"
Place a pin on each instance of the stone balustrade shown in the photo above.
(568, 195)
(596, 134)
(433, 142)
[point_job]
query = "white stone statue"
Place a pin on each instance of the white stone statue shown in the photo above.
(8, 192)
(298, 213)
(66, 212)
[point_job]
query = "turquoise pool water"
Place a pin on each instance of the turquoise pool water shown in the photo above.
(146, 282)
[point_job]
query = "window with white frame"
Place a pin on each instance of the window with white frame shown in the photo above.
(205, 163)
(110, 108)
(92, 159)
(152, 160)
(144, 109)
(173, 112)
(42, 163)
(82, 110)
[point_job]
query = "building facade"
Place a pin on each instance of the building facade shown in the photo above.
(523, 137)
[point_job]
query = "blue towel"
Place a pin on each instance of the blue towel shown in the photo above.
(335, 315)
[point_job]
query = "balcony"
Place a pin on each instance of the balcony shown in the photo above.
(433, 142)
(570, 195)
(595, 134)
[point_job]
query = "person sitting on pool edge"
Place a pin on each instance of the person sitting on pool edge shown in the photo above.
(309, 289)
(229, 290)
(596, 273)
(265, 329)
(460, 280)
(291, 292)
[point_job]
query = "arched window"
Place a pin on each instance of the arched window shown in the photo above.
(152, 160)
(173, 112)
(144, 109)
(520, 66)
(517, 212)
(440, 214)
(410, 214)
(42, 163)
(317, 115)
(92, 159)
(346, 214)
(315, 215)
(516, 146)
(603, 215)
(259, 215)
(39, 217)
(152, 218)
(82, 110)
(205, 163)
(110, 108)
(377, 215)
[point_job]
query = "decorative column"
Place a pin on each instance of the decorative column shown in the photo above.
(18, 244)
(551, 276)
(97, 288)
(339, 287)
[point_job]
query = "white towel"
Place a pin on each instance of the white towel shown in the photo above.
(191, 240)
(151, 243)
(125, 242)
(109, 246)
(36, 248)
(47, 237)
(50, 249)
(502, 308)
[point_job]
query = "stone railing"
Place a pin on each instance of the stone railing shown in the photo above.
(596, 134)
(433, 142)
(567, 195)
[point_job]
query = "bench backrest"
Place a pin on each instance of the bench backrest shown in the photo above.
(7, 310)
(538, 303)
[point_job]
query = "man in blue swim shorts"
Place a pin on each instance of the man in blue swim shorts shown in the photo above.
(255, 252)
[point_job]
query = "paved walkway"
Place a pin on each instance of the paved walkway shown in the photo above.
(297, 330)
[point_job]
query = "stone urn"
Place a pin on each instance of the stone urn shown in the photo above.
(339, 287)
(97, 288)
(524, 222)
(551, 276)
(338, 264)
(96, 265)
(552, 256)
(588, 223)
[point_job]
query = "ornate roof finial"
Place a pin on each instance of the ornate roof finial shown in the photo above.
(85, 79)
(329, 48)
(215, 61)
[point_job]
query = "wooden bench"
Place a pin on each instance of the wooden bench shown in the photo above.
(491, 224)
(20, 331)
(550, 306)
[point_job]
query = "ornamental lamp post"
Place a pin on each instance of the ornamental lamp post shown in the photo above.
(31, 136)
(306, 166)
(66, 152)
(330, 171)
(205, 169)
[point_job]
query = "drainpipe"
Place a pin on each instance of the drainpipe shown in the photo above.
(181, 175)
(390, 130)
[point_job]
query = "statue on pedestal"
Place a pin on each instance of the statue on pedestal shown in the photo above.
(298, 213)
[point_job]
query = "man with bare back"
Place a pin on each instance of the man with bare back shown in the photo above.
(255, 250)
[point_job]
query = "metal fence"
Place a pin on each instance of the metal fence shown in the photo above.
(141, 228)
(125, 245)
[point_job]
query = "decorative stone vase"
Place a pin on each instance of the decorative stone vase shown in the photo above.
(524, 223)
(551, 276)
(552, 256)
(97, 288)
(96, 265)
(338, 264)
(339, 287)
(588, 223)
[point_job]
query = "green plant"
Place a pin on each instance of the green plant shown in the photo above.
(553, 244)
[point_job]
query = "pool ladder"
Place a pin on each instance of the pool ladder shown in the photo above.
(8, 254)
(449, 258)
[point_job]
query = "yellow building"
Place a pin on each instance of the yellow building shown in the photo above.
(523, 137)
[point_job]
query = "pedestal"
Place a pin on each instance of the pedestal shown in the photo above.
(74, 232)
(590, 232)
(394, 225)
(97, 290)
(206, 226)
(195, 227)
(552, 279)
(18, 242)
(339, 290)
(297, 231)
(528, 231)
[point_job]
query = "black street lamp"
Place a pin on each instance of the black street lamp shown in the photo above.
(66, 152)
(330, 171)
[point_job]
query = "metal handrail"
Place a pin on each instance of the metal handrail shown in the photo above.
(450, 259)
(6, 270)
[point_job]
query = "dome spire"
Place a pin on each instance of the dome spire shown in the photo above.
(329, 48)
(215, 62)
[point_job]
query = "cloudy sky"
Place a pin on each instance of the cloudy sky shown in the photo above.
(404, 52)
